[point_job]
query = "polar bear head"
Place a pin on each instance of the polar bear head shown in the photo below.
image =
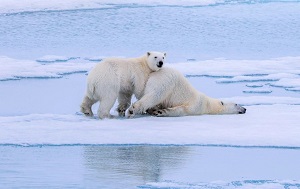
(231, 108)
(216, 106)
(155, 60)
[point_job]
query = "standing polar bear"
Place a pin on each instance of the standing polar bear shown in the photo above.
(172, 95)
(119, 78)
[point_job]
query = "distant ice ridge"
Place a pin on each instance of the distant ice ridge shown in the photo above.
(278, 72)
(16, 6)
(285, 66)
(263, 100)
(244, 184)
(54, 58)
(264, 91)
(14, 69)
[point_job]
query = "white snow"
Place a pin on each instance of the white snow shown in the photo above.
(225, 67)
(264, 125)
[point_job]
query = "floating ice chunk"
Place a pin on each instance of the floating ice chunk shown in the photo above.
(54, 58)
(228, 71)
(295, 89)
(95, 58)
(263, 100)
(245, 79)
(265, 91)
(16, 69)
(190, 60)
(287, 82)
(264, 78)
(210, 76)
(255, 85)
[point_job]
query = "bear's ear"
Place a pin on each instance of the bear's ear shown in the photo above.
(148, 53)
(165, 54)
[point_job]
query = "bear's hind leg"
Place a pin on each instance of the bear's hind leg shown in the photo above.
(105, 107)
(155, 108)
(171, 112)
(140, 106)
(86, 106)
(124, 100)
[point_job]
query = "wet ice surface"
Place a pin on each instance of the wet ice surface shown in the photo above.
(241, 51)
(144, 166)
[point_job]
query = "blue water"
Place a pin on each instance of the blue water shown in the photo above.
(142, 166)
(234, 29)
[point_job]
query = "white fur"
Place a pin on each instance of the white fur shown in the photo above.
(170, 93)
(119, 78)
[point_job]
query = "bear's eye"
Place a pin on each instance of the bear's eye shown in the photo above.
(163, 57)
(155, 57)
(222, 103)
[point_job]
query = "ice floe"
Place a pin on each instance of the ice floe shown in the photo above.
(14, 69)
(54, 58)
(279, 72)
(261, 126)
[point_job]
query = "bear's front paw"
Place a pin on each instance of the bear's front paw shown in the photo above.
(121, 110)
(130, 112)
(159, 113)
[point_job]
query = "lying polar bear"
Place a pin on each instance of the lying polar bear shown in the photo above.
(119, 78)
(171, 92)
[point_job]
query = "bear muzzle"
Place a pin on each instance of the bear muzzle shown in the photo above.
(243, 110)
(160, 64)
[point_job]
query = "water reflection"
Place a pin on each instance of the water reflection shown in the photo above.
(141, 163)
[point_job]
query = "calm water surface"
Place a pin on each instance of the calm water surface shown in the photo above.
(240, 29)
(124, 166)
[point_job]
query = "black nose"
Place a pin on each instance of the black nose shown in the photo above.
(243, 110)
(160, 63)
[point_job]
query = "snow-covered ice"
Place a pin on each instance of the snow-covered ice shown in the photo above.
(14, 69)
(256, 128)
